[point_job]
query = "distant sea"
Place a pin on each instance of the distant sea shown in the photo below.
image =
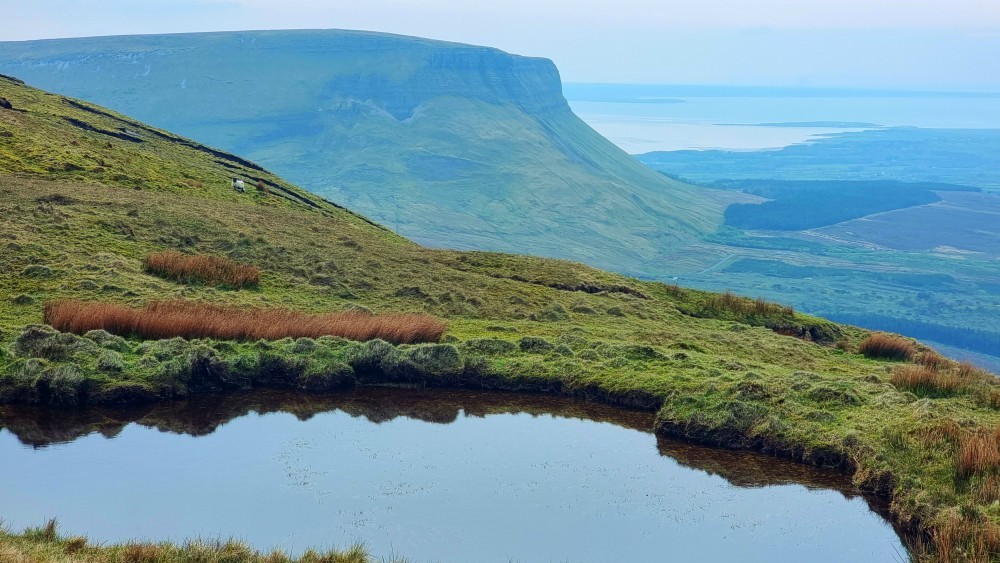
(642, 119)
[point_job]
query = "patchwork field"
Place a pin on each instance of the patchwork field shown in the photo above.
(962, 222)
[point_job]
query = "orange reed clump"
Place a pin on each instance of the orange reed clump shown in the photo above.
(203, 268)
(978, 453)
(190, 319)
(888, 347)
(925, 381)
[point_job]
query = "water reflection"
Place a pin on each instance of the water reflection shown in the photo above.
(40, 427)
(493, 477)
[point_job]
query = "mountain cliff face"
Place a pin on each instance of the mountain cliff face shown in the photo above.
(394, 73)
(452, 145)
(482, 74)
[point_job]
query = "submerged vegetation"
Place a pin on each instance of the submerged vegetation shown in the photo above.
(717, 369)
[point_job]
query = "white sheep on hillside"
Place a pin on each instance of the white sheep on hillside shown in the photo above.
(239, 186)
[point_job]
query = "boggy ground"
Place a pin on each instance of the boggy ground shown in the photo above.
(84, 202)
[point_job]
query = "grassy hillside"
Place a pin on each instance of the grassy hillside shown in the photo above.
(467, 147)
(451, 145)
(87, 195)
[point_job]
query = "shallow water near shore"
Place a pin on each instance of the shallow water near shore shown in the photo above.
(770, 123)
(427, 475)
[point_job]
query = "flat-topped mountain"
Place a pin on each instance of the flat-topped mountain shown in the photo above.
(451, 145)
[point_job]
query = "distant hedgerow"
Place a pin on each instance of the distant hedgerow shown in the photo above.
(191, 319)
(202, 268)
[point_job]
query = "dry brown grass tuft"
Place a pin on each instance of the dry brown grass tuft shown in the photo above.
(987, 542)
(944, 538)
(925, 381)
(277, 557)
(987, 489)
(989, 397)
(730, 302)
(75, 544)
(959, 539)
(202, 268)
(142, 553)
(49, 532)
(888, 347)
(965, 369)
(932, 360)
(191, 319)
(978, 453)
(945, 431)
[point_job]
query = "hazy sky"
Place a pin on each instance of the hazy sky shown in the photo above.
(928, 44)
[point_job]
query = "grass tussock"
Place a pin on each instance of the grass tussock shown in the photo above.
(987, 489)
(202, 268)
(959, 540)
(888, 347)
(969, 371)
(925, 381)
(45, 544)
(990, 398)
(932, 360)
(978, 453)
(947, 431)
(190, 319)
(730, 302)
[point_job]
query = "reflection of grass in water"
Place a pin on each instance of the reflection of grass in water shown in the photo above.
(202, 415)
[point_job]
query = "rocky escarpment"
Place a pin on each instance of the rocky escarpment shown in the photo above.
(487, 75)
(237, 75)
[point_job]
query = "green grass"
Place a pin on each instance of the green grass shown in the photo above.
(716, 369)
(46, 544)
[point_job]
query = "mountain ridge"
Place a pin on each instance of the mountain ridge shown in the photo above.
(449, 144)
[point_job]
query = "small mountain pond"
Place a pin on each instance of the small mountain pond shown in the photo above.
(427, 475)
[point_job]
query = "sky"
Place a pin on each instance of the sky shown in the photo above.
(906, 44)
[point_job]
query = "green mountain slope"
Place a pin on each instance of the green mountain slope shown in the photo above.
(451, 145)
(86, 194)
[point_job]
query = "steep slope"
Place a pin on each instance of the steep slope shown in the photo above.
(86, 194)
(451, 145)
